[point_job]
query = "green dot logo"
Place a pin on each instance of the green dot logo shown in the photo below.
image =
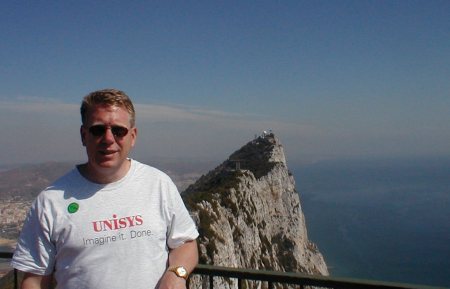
(73, 208)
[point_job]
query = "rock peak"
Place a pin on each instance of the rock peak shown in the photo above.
(265, 148)
(258, 156)
(249, 214)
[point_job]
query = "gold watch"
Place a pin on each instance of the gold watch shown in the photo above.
(180, 271)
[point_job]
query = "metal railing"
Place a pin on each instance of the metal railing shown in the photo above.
(270, 278)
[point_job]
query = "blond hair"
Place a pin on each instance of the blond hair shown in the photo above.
(107, 97)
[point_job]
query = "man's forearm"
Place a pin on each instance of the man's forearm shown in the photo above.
(33, 281)
(186, 255)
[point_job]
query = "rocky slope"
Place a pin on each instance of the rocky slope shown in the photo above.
(249, 214)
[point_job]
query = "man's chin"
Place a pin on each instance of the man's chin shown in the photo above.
(110, 163)
(106, 163)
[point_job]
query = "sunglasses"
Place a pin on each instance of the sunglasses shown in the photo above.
(100, 130)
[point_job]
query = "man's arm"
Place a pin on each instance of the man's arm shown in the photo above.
(187, 256)
(33, 281)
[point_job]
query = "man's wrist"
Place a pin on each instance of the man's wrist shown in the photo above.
(180, 271)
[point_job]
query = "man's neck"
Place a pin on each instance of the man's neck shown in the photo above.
(104, 175)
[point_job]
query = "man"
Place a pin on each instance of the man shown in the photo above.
(111, 222)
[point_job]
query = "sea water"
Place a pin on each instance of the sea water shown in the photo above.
(380, 220)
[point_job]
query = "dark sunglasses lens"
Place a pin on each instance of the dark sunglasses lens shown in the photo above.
(119, 131)
(97, 130)
(100, 130)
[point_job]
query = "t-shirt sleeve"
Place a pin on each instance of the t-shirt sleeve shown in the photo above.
(35, 253)
(181, 228)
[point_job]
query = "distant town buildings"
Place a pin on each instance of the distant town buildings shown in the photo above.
(12, 215)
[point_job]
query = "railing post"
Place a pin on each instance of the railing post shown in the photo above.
(211, 282)
(16, 281)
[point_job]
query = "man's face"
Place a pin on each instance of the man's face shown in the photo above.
(107, 153)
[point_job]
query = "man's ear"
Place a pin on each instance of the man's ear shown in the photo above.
(133, 136)
(83, 135)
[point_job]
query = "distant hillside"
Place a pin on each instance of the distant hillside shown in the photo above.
(25, 182)
(18, 187)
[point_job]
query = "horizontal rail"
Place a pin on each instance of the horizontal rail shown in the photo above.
(272, 277)
(300, 279)
(6, 255)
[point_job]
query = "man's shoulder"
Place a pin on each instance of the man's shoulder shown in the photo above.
(142, 168)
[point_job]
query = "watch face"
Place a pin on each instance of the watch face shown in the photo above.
(181, 271)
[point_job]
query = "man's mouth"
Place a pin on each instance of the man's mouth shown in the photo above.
(106, 153)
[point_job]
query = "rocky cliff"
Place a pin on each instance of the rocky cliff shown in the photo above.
(249, 214)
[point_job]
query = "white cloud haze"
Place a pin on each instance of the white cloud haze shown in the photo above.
(40, 129)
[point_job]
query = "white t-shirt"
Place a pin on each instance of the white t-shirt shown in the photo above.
(105, 236)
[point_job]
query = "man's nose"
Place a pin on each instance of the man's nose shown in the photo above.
(108, 137)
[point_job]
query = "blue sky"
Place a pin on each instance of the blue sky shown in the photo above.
(332, 79)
